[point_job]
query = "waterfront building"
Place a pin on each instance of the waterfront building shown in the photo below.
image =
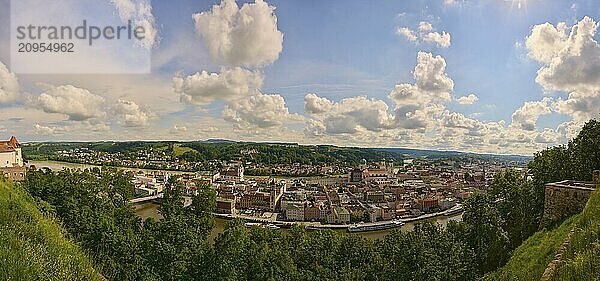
(312, 212)
(295, 212)
(225, 206)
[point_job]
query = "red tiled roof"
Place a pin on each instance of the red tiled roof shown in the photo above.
(10, 145)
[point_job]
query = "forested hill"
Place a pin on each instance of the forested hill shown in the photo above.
(432, 154)
(261, 153)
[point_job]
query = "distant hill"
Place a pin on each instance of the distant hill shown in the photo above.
(268, 152)
(419, 153)
(33, 245)
(218, 141)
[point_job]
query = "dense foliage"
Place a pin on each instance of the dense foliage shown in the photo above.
(582, 257)
(33, 245)
(575, 161)
(529, 261)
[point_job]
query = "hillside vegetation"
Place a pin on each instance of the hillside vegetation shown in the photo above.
(33, 245)
(199, 151)
(582, 258)
(581, 261)
(529, 260)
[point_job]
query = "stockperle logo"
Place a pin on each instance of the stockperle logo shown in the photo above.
(80, 37)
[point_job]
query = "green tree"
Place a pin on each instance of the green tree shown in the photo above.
(483, 232)
(519, 205)
(585, 151)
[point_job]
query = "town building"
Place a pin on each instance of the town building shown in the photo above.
(312, 212)
(338, 215)
(357, 175)
(11, 160)
(235, 174)
(255, 200)
(225, 206)
(295, 212)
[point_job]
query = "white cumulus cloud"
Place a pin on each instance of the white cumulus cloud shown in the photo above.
(441, 39)
(527, 115)
(230, 84)
(9, 85)
(469, 99)
(349, 115)
(416, 104)
(140, 13)
(132, 115)
(407, 33)
(259, 110)
(77, 104)
(425, 33)
(241, 36)
(71, 128)
(425, 26)
(569, 62)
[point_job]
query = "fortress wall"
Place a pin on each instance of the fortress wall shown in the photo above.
(563, 199)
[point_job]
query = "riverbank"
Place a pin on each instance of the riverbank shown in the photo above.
(148, 210)
(59, 165)
(319, 225)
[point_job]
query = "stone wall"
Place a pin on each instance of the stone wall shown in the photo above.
(14, 173)
(565, 198)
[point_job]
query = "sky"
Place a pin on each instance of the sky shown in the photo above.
(503, 76)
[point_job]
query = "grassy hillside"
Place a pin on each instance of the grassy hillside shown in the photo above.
(529, 260)
(179, 150)
(32, 245)
(581, 261)
(582, 258)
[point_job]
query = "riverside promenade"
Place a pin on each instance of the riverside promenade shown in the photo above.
(318, 225)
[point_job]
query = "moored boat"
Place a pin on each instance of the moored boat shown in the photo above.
(272, 226)
(375, 226)
(454, 210)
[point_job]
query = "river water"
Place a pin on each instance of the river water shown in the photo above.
(148, 210)
(57, 166)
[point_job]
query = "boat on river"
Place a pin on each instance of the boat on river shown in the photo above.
(375, 226)
(454, 210)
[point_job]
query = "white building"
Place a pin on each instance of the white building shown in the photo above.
(10, 154)
(295, 212)
(235, 174)
(11, 159)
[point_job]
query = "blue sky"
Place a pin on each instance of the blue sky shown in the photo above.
(341, 51)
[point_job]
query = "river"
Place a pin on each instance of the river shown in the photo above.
(58, 165)
(148, 210)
